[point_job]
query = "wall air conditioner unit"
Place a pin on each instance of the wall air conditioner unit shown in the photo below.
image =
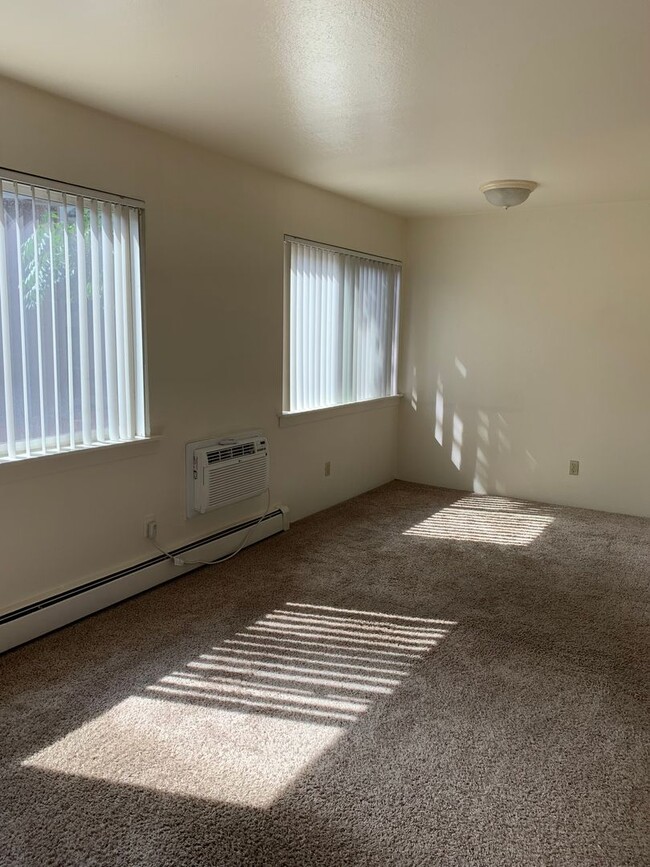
(226, 470)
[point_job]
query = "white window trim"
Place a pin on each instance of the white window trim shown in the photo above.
(23, 468)
(289, 419)
(286, 418)
(49, 461)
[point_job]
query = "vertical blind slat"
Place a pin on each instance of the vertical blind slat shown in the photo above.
(69, 338)
(386, 334)
(39, 339)
(302, 363)
(366, 330)
(349, 272)
(339, 288)
(98, 366)
(6, 339)
(82, 314)
(304, 335)
(23, 339)
(379, 338)
(301, 325)
(329, 337)
(309, 337)
(357, 336)
(396, 285)
(293, 326)
(127, 311)
(137, 324)
(110, 352)
(355, 343)
(318, 330)
(118, 273)
(313, 319)
(362, 320)
(55, 357)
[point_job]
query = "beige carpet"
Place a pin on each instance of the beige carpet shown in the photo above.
(415, 677)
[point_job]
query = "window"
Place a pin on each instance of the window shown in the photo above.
(71, 360)
(341, 343)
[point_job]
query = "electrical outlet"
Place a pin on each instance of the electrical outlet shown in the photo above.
(574, 468)
(150, 527)
(328, 468)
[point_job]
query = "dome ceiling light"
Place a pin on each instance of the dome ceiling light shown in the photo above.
(507, 194)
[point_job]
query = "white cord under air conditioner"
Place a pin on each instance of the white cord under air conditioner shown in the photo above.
(179, 561)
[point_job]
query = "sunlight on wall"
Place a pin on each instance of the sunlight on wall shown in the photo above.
(414, 389)
(481, 472)
(440, 411)
(457, 445)
(482, 467)
(239, 723)
(497, 520)
(493, 441)
(483, 428)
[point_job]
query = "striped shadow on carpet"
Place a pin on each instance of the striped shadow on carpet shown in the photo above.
(494, 520)
(296, 679)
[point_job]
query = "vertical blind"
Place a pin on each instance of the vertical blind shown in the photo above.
(72, 362)
(343, 324)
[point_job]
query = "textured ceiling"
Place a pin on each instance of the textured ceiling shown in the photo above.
(406, 104)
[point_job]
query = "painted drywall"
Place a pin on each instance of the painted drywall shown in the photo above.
(526, 343)
(214, 288)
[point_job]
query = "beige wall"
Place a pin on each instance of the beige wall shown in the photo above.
(535, 326)
(214, 235)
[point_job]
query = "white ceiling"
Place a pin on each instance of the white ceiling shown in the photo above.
(406, 104)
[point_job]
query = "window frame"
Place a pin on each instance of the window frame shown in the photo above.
(66, 448)
(287, 415)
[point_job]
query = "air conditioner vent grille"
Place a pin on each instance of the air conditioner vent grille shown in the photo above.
(236, 482)
(229, 452)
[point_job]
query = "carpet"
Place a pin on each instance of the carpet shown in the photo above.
(414, 677)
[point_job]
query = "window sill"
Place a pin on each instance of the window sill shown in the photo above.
(289, 419)
(74, 459)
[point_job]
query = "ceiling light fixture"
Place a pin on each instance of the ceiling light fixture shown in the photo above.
(507, 194)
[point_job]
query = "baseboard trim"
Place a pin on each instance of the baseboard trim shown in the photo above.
(31, 621)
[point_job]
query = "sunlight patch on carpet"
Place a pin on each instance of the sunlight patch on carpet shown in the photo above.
(192, 750)
(242, 721)
(495, 520)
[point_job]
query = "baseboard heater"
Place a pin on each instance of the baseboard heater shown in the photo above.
(31, 621)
